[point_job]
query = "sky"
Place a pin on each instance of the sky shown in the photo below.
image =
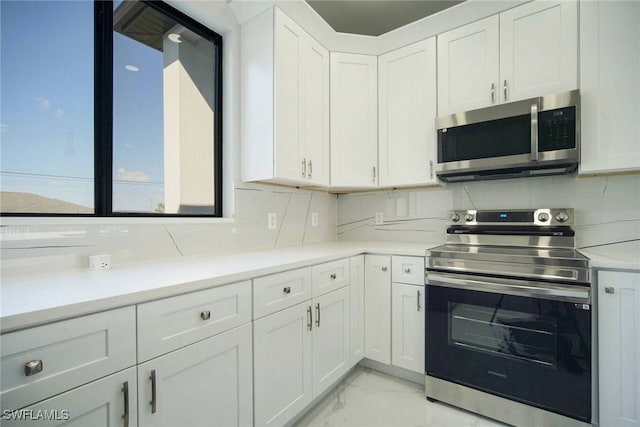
(46, 107)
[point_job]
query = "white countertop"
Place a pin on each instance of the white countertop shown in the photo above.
(31, 301)
(619, 256)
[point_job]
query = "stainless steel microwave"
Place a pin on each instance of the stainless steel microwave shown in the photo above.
(538, 136)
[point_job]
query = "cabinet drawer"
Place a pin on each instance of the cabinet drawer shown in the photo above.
(330, 276)
(171, 323)
(282, 290)
(65, 355)
(407, 269)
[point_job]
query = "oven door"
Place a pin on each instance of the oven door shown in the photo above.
(523, 340)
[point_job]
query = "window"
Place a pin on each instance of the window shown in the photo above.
(109, 109)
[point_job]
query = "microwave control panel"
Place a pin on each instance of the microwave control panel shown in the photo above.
(557, 129)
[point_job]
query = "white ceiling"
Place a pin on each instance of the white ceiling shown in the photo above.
(375, 17)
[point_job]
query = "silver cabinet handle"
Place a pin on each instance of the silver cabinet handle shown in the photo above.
(384, 268)
(318, 315)
(125, 391)
(534, 132)
(309, 318)
(154, 398)
(304, 168)
(431, 169)
(333, 276)
(407, 270)
(310, 169)
(419, 301)
(205, 315)
(505, 90)
(33, 367)
(287, 290)
(493, 93)
(609, 290)
(374, 175)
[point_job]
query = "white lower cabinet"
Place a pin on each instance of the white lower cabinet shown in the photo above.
(108, 402)
(331, 331)
(407, 326)
(619, 348)
(377, 296)
(357, 308)
(206, 383)
(282, 364)
(298, 353)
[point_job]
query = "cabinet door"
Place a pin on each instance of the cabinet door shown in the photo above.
(377, 295)
(619, 348)
(354, 120)
(357, 308)
(109, 402)
(206, 383)
(330, 339)
(316, 112)
(282, 365)
(468, 67)
(610, 86)
(538, 49)
(407, 112)
(289, 144)
(407, 326)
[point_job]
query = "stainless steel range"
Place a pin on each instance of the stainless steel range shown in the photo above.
(509, 318)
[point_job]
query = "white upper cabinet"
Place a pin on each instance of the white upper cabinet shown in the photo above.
(407, 112)
(354, 120)
(610, 86)
(524, 52)
(468, 67)
(285, 103)
(538, 49)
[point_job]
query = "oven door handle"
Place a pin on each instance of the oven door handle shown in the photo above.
(525, 288)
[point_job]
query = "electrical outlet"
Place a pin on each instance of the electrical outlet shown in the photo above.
(271, 221)
(314, 219)
(379, 218)
(99, 262)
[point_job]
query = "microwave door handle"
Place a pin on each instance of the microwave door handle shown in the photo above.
(535, 156)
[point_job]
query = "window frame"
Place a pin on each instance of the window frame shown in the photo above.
(103, 115)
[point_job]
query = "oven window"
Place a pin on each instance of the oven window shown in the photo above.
(502, 332)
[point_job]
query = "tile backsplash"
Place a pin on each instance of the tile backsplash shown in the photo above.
(607, 209)
(66, 245)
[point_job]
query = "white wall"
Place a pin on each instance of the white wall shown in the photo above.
(607, 209)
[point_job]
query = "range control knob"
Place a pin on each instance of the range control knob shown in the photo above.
(562, 217)
(468, 217)
(455, 217)
(543, 217)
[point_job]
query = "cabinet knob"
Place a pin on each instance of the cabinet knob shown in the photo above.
(384, 268)
(407, 270)
(205, 315)
(33, 367)
(333, 276)
(287, 290)
(609, 290)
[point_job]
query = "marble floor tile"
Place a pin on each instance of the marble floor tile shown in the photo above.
(370, 398)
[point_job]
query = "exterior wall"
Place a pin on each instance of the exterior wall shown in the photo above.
(607, 209)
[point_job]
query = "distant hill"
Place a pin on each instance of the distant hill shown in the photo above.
(12, 202)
